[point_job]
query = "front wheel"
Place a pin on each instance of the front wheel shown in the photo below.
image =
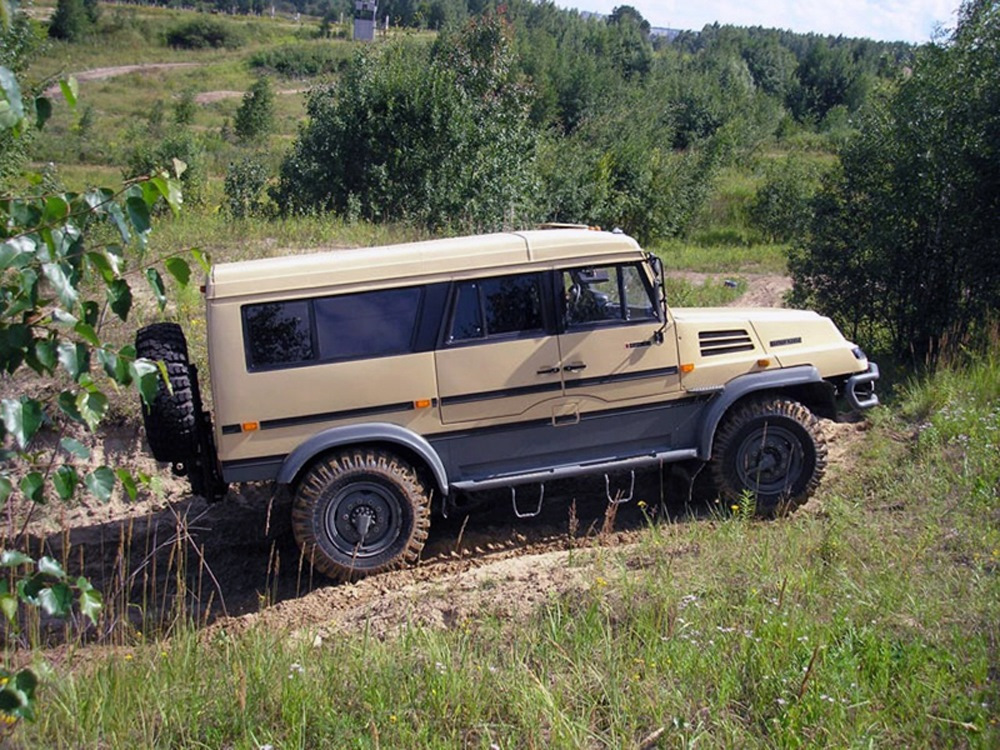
(360, 512)
(773, 449)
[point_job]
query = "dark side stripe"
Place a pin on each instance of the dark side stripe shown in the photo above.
(330, 416)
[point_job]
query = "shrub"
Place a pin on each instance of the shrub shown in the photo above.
(255, 117)
(185, 108)
(301, 61)
(71, 21)
(245, 183)
(146, 158)
(781, 210)
(204, 33)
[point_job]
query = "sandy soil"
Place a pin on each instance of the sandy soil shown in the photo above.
(100, 74)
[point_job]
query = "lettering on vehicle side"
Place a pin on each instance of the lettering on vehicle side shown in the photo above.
(786, 342)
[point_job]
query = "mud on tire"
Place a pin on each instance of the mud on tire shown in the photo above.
(171, 421)
(774, 449)
(360, 512)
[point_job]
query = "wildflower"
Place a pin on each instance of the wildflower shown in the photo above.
(393, 719)
(782, 702)
(642, 504)
(734, 508)
(600, 582)
(440, 667)
(128, 657)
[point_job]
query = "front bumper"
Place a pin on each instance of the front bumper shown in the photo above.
(865, 382)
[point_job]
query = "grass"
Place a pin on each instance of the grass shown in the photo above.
(867, 619)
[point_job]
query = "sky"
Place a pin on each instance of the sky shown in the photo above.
(885, 20)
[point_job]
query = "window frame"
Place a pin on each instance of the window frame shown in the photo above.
(542, 288)
(619, 269)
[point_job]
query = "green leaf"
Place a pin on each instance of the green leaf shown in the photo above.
(147, 375)
(138, 214)
(8, 605)
(171, 192)
(56, 210)
(128, 483)
(202, 258)
(57, 599)
(12, 558)
(65, 480)
(50, 567)
(101, 482)
(179, 269)
(12, 92)
(75, 448)
(156, 283)
(91, 312)
(90, 601)
(5, 489)
(43, 111)
(100, 262)
(22, 418)
(74, 358)
(33, 487)
(67, 405)
(45, 354)
(120, 297)
(87, 333)
(57, 276)
(92, 408)
(70, 88)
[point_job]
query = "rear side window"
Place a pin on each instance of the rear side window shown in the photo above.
(508, 305)
(326, 329)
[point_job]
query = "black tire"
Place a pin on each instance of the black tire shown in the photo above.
(772, 447)
(171, 422)
(336, 496)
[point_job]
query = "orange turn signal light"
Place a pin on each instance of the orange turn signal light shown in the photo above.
(763, 363)
(422, 403)
(250, 426)
(687, 368)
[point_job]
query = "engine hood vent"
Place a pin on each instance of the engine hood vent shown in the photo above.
(731, 341)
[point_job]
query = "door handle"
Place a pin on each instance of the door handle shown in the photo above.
(574, 368)
(548, 371)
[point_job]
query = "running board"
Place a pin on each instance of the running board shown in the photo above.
(574, 470)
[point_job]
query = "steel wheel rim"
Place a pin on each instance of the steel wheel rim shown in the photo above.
(346, 513)
(770, 460)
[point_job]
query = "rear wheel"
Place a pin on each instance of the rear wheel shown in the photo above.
(773, 449)
(360, 512)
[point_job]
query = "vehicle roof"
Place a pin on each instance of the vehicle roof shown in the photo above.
(416, 261)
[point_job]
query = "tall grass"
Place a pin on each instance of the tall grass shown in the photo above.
(867, 619)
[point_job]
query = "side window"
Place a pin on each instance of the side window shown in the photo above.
(370, 324)
(349, 326)
(597, 295)
(507, 305)
(278, 333)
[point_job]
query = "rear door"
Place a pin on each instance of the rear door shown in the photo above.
(499, 357)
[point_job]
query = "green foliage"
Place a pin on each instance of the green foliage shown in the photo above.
(205, 33)
(438, 136)
(245, 183)
(301, 60)
(185, 108)
(181, 147)
(254, 119)
(72, 20)
(905, 249)
(781, 210)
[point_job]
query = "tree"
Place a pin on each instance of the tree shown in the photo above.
(255, 117)
(63, 258)
(439, 136)
(905, 248)
(71, 21)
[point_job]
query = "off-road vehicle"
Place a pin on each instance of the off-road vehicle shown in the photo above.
(378, 383)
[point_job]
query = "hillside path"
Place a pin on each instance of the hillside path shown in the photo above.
(100, 74)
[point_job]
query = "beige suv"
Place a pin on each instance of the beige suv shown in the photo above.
(378, 382)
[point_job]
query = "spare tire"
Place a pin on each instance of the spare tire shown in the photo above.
(171, 421)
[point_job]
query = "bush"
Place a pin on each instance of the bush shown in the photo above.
(146, 158)
(205, 33)
(71, 20)
(185, 108)
(245, 183)
(781, 210)
(255, 117)
(301, 61)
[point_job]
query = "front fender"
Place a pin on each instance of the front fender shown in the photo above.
(737, 388)
(356, 434)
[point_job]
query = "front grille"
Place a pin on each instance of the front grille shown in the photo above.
(714, 343)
